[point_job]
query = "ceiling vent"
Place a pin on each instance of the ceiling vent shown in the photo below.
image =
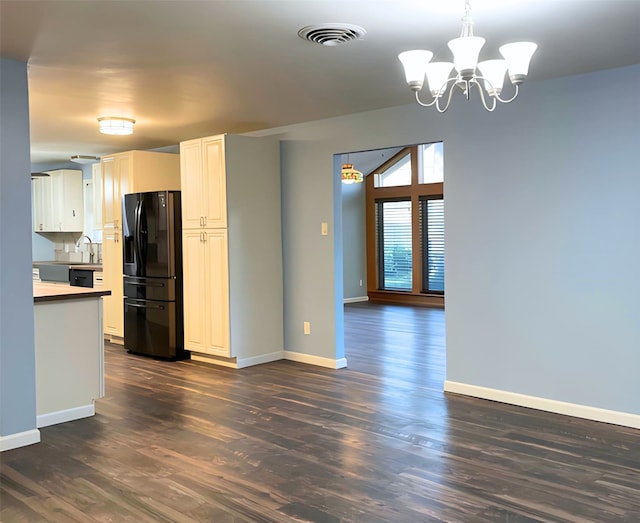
(331, 34)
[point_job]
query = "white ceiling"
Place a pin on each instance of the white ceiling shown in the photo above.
(185, 69)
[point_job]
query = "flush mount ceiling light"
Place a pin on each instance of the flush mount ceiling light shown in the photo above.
(83, 158)
(331, 34)
(469, 73)
(116, 125)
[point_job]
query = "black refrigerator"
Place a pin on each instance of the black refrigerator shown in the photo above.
(152, 249)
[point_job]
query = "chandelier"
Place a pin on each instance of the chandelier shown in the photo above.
(351, 175)
(469, 73)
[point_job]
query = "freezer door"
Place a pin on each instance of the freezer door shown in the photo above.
(152, 234)
(161, 289)
(151, 328)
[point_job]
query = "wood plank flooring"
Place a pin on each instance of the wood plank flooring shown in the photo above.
(287, 442)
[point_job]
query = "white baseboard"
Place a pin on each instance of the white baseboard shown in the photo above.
(62, 416)
(214, 360)
(263, 358)
(315, 360)
(356, 299)
(559, 407)
(19, 439)
(235, 363)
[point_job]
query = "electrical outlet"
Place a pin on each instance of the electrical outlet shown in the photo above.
(360, 283)
(324, 228)
(306, 326)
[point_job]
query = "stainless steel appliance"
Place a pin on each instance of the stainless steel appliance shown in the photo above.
(152, 248)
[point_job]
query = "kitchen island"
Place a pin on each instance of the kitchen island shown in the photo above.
(69, 350)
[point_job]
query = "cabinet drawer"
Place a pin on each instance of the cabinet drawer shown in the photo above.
(97, 279)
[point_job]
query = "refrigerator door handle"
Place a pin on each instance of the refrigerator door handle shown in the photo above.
(140, 265)
(137, 306)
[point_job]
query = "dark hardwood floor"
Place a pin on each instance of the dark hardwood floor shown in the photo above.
(287, 442)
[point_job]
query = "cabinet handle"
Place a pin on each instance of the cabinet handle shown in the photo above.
(205, 221)
(115, 224)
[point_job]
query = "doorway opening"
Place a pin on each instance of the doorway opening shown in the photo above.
(393, 255)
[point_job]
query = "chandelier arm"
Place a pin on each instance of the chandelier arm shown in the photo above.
(510, 99)
(484, 102)
(423, 104)
(443, 89)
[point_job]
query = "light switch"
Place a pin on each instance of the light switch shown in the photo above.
(324, 228)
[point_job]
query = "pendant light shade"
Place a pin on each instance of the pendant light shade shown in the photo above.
(518, 55)
(493, 72)
(116, 125)
(437, 76)
(415, 64)
(465, 54)
(351, 175)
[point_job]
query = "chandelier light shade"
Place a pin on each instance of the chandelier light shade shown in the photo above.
(116, 125)
(487, 76)
(351, 175)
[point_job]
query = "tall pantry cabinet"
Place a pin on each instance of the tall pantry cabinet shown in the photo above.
(124, 173)
(232, 249)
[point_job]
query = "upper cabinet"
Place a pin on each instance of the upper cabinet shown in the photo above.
(134, 171)
(58, 204)
(202, 167)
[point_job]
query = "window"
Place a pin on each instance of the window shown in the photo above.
(405, 227)
(394, 244)
(432, 170)
(432, 230)
(395, 175)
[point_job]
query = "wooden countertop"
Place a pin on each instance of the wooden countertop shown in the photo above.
(88, 267)
(45, 291)
(97, 267)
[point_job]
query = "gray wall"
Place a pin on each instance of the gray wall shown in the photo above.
(543, 292)
(354, 241)
(17, 353)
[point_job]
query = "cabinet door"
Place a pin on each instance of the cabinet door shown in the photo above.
(217, 319)
(42, 205)
(215, 182)
(96, 175)
(192, 184)
(112, 280)
(68, 200)
(195, 284)
(110, 191)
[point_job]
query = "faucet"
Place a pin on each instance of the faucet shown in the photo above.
(91, 253)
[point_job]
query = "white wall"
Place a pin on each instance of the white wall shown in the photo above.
(543, 291)
(17, 354)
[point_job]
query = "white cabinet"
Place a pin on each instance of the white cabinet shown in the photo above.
(232, 249)
(205, 280)
(124, 173)
(205, 186)
(58, 202)
(42, 204)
